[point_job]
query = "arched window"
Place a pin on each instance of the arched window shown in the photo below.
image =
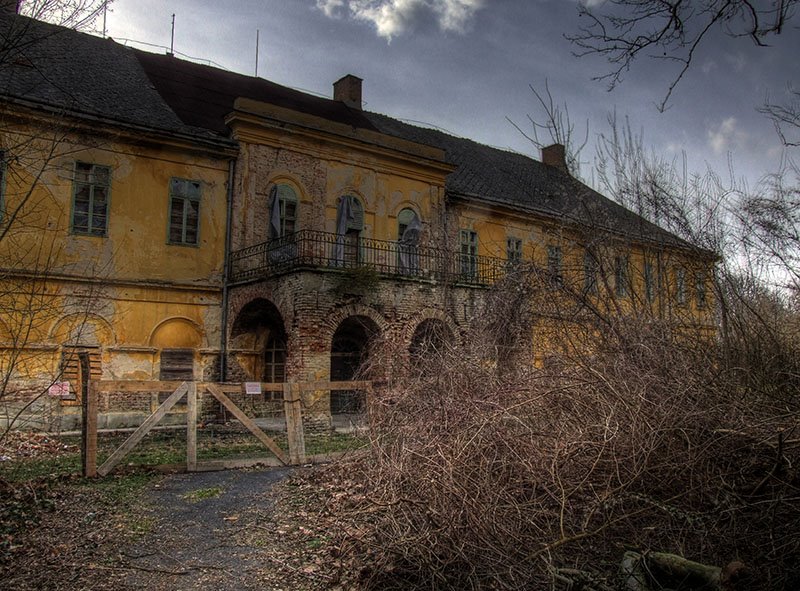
(283, 211)
(404, 219)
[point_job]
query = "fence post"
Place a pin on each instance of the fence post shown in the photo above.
(294, 423)
(89, 419)
(191, 427)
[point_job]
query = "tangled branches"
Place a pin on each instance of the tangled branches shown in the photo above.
(543, 477)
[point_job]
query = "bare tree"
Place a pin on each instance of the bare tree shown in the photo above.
(674, 31)
(554, 121)
(33, 221)
(785, 117)
(75, 14)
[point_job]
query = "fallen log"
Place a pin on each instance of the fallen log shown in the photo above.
(658, 570)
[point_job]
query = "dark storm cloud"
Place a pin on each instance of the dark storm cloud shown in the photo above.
(466, 65)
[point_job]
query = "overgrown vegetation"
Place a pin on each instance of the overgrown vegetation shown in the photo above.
(654, 440)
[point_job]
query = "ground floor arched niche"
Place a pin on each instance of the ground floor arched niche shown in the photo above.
(350, 350)
(258, 344)
(431, 341)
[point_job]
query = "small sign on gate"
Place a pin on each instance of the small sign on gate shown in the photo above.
(60, 390)
(252, 388)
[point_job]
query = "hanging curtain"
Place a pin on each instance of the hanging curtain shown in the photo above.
(279, 251)
(344, 216)
(408, 247)
(274, 213)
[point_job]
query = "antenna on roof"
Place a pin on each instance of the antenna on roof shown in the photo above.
(172, 38)
(105, 14)
(257, 32)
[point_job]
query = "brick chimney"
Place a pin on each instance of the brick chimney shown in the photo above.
(10, 6)
(348, 90)
(555, 155)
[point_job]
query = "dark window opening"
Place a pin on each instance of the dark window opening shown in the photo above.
(90, 199)
(275, 360)
(468, 242)
(184, 212)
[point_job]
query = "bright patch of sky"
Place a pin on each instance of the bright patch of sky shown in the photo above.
(395, 17)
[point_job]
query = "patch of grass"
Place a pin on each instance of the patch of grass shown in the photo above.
(316, 543)
(201, 494)
(333, 442)
(24, 470)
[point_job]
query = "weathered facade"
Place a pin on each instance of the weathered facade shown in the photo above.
(206, 216)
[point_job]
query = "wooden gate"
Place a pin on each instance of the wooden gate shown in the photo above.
(292, 402)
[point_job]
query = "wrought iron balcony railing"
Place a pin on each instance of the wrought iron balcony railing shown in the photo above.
(324, 250)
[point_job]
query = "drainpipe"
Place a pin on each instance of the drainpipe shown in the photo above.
(223, 347)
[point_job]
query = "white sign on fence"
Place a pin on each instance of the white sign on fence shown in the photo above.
(252, 387)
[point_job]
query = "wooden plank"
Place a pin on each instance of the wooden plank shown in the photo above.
(89, 429)
(294, 423)
(216, 465)
(137, 385)
(143, 429)
(168, 386)
(191, 428)
(247, 422)
(354, 385)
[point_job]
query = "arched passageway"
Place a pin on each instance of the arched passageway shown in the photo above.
(430, 340)
(258, 340)
(350, 348)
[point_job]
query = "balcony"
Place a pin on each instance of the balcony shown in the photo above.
(311, 250)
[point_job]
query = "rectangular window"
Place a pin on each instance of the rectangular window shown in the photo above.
(554, 266)
(177, 365)
(621, 276)
(700, 289)
(513, 250)
(184, 211)
(590, 269)
(680, 286)
(288, 216)
(91, 189)
(649, 281)
(469, 252)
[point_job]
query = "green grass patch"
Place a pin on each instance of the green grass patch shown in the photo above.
(169, 447)
(201, 494)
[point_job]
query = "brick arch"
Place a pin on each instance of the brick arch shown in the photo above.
(410, 328)
(333, 321)
(242, 297)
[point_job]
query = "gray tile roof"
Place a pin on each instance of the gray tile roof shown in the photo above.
(491, 175)
(62, 69)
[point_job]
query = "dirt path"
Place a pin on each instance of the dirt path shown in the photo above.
(202, 533)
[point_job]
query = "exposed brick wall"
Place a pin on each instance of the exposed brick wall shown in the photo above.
(314, 304)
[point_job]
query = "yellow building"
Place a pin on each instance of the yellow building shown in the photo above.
(195, 215)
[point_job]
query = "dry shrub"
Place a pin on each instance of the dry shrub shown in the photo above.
(484, 478)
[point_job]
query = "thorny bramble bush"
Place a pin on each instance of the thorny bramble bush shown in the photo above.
(486, 478)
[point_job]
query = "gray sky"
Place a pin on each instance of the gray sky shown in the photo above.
(466, 65)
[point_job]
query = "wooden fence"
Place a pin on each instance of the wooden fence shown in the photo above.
(292, 407)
